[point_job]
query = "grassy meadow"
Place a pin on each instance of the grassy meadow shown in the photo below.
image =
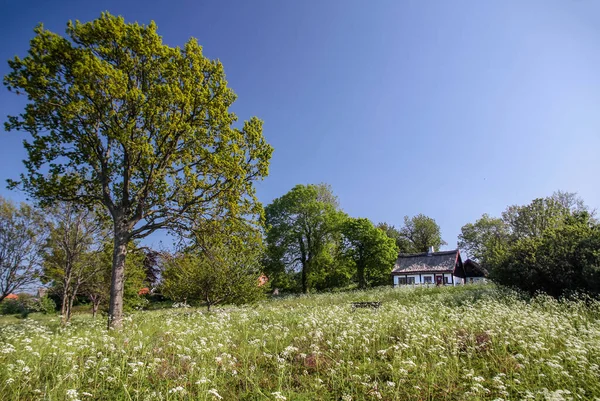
(462, 343)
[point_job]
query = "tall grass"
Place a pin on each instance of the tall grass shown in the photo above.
(463, 343)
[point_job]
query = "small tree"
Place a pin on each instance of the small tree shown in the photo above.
(22, 236)
(121, 120)
(76, 237)
(216, 277)
(97, 288)
(371, 250)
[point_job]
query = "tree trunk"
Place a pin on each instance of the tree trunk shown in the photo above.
(115, 308)
(95, 305)
(64, 303)
(304, 261)
(70, 307)
(362, 282)
(304, 279)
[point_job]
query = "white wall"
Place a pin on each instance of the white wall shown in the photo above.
(453, 280)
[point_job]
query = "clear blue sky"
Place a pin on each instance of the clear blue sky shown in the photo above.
(447, 108)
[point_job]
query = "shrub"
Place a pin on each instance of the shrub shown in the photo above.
(10, 307)
(46, 305)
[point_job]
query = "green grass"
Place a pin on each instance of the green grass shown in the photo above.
(462, 343)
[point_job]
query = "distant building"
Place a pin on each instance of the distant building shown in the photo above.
(12, 296)
(436, 268)
(474, 273)
(262, 280)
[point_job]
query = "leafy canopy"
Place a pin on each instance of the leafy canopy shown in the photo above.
(301, 227)
(549, 245)
(371, 250)
(421, 232)
(119, 118)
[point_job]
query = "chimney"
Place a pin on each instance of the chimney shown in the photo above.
(430, 251)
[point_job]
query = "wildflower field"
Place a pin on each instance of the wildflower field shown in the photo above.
(462, 343)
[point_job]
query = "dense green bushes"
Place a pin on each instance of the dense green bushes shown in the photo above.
(26, 304)
(551, 245)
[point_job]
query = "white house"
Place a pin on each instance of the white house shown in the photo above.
(439, 268)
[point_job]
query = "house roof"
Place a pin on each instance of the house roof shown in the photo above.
(474, 269)
(427, 262)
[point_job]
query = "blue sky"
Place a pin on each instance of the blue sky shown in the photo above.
(448, 108)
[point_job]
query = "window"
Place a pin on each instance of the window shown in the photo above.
(446, 280)
(427, 279)
(402, 280)
(410, 280)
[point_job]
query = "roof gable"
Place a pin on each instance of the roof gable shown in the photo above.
(474, 269)
(427, 262)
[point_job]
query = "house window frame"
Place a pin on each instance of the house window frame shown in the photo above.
(428, 279)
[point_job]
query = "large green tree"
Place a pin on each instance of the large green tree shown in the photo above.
(370, 249)
(301, 225)
(421, 232)
(119, 119)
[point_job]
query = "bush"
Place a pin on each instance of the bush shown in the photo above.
(26, 304)
(46, 305)
(10, 307)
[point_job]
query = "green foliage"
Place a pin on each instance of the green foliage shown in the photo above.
(484, 240)
(46, 305)
(26, 304)
(302, 228)
(403, 244)
(530, 221)
(215, 276)
(147, 124)
(118, 118)
(135, 279)
(421, 232)
(561, 260)
(371, 251)
(549, 245)
(11, 307)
